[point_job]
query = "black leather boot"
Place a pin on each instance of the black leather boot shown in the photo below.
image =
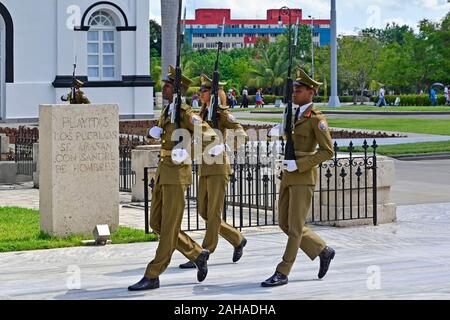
(325, 259)
(202, 265)
(278, 279)
(188, 265)
(145, 284)
(239, 250)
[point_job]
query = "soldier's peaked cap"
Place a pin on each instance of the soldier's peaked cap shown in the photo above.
(301, 78)
(206, 82)
(78, 83)
(185, 81)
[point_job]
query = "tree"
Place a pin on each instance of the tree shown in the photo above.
(358, 56)
(155, 37)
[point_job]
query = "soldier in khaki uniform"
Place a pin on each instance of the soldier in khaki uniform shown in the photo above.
(299, 181)
(173, 176)
(79, 97)
(214, 177)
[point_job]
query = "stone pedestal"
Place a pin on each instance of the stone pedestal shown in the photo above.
(8, 172)
(78, 164)
(142, 157)
(4, 143)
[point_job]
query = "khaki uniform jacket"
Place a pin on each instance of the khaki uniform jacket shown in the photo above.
(80, 98)
(226, 121)
(168, 172)
(309, 131)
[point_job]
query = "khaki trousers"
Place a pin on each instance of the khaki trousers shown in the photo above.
(166, 215)
(294, 205)
(211, 197)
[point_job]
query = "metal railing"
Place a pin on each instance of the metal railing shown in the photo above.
(23, 150)
(346, 189)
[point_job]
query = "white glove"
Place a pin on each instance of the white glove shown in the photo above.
(155, 132)
(217, 150)
(65, 97)
(276, 131)
(179, 155)
(290, 165)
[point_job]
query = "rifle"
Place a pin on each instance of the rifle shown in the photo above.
(214, 105)
(288, 126)
(176, 114)
(73, 81)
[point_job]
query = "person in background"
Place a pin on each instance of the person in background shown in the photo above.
(231, 99)
(244, 103)
(433, 97)
(259, 99)
(195, 98)
(447, 100)
(381, 99)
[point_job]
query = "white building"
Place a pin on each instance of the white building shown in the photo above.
(39, 40)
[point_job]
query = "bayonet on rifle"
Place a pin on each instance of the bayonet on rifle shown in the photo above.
(214, 105)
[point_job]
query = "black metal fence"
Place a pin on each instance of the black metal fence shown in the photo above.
(23, 150)
(346, 189)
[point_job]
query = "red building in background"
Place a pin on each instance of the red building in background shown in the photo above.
(206, 29)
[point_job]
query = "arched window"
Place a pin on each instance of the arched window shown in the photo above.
(102, 44)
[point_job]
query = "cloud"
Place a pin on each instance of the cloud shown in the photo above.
(435, 5)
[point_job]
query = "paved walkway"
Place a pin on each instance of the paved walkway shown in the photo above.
(406, 260)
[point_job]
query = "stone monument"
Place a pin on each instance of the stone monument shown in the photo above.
(78, 164)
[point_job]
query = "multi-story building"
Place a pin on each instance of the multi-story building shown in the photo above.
(206, 29)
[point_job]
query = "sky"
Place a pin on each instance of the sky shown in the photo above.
(353, 15)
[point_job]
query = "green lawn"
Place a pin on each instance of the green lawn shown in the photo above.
(410, 148)
(20, 231)
(397, 109)
(428, 126)
(407, 125)
(359, 108)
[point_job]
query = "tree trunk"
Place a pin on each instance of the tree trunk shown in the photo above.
(362, 93)
(169, 16)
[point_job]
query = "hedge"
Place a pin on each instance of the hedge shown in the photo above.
(412, 100)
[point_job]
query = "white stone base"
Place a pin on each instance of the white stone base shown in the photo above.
(143, 157)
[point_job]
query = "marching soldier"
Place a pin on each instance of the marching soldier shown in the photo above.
(76, 96)
(299, 181)
(173, 176)
(214, 177)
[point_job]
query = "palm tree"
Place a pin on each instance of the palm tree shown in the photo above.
(269, 68)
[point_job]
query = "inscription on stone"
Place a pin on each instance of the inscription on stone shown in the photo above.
(85, 145)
